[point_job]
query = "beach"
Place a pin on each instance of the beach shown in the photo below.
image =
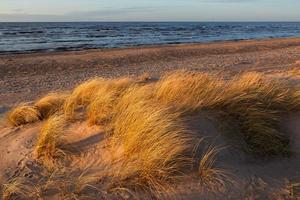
(176, 121)
(25, 77)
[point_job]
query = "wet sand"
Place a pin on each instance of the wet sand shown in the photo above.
(25, 77)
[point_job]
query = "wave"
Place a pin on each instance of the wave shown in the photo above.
(28, 37)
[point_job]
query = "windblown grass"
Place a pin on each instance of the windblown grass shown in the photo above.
(190, 91)
(147, 136)
(258, 103)
(154, 140)
(209, 174)
(50, 104)
(255, 100)
(23, 114)
(254, 88)
(47, 149)
(100, 109)
(82, 95)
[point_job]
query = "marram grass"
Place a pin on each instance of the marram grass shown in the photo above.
(254, 100)
(23, 114)
(101, 106)
(82, 95)
(50, 104)
(147, 134)
(47, 148)
(154, 140)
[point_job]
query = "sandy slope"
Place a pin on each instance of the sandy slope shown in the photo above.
(252, 178)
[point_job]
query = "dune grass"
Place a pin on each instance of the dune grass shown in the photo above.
(256, 101)
(146, 131)
(154, 140)
(209, 174)
(100, 109)
(23, 114)
(190, 91)
(82, 95)
(50, 104)
(47, 148)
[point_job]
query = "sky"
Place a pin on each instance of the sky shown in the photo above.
(149, 10)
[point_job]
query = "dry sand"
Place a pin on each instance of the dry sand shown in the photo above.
(26, 77)
(250, 178)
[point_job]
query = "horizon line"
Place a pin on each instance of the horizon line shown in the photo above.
(187, 21)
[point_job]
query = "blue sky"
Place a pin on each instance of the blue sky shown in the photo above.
(149, 10)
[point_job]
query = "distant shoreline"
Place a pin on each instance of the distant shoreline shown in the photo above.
(59, 51)
(26, 38)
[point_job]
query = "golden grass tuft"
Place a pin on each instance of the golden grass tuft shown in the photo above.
(82, 95)
(23, 114)
(256, 88)
(47, 149)
(154, 140)
(257, 103)
(189, 90)
(210, 175)
(50, 104)
(101, 107)
(255, 100)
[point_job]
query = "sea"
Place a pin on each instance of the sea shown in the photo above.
(66, 36)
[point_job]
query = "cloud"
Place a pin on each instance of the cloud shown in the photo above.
(23, 17)
(112, 11)
(103, 14)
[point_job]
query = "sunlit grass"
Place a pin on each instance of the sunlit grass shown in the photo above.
(82, 95)
(50, 104)
(47, 149)
(154, 140)
(101, 107)
(147, 132)
(23, 114)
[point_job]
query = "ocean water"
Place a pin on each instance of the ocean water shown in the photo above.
(35, 37)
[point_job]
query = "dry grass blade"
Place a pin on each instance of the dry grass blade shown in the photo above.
(23, 114)
(192, 91)
(257, 102)
(253, 99)
(209, 174)
(50, 104)
(82, 95)
(101, 106)
(47, 148)
(15, 189)
(154, 142)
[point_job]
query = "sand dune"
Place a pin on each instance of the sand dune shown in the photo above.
(185, 135)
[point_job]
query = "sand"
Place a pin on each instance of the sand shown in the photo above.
(250, 178)
(25, 77)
